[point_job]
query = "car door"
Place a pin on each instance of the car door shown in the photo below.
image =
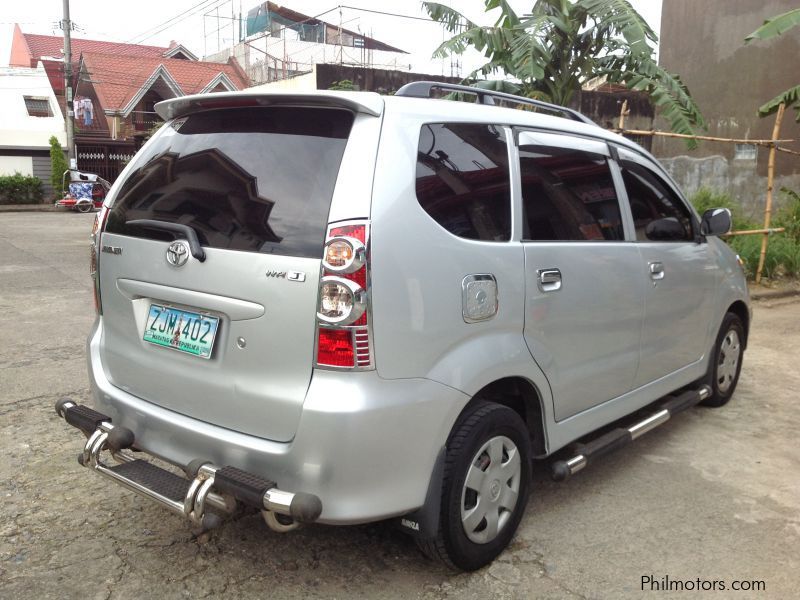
(584, 296)
(676, 265)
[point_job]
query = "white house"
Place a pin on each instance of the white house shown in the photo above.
(29, 115)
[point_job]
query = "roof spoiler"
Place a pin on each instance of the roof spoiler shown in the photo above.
(363, 102)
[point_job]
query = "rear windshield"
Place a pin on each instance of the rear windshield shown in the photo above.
(253, 179)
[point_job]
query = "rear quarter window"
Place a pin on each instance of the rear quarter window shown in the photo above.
(250, 179)
(463, 179)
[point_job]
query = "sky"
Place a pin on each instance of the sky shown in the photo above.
(151, 22)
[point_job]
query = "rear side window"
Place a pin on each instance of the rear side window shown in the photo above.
(252, 179)
(568, 195)
(463, 179)
(652, 200)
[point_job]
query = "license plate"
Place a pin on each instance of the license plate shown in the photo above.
(181, 330)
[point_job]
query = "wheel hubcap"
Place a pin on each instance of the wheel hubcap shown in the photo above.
(730, 352)
(490, 490)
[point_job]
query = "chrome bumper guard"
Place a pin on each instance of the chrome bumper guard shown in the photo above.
(209, 486)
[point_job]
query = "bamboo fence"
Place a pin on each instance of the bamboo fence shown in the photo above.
(774, 147)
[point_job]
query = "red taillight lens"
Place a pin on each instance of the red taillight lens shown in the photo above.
(335, 347)
(358, 232)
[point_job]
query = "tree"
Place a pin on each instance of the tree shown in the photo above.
(770, 29)
(58, 163)
(553, 51)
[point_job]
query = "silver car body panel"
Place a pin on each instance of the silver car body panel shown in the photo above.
(365, 442)
(352, 445)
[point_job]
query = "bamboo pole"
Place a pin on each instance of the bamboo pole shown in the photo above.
(623, 112)
(756, 231)
(787, 150)
(706, 138)
(770, 185)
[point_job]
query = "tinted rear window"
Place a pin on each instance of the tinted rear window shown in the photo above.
(253, 179)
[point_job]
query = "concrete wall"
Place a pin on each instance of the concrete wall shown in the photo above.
(738, 178)
(703, 41)
(17, 128)
(16, 164)
(368, 80)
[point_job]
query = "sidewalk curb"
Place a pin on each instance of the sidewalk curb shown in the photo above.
(47, 207)
(774, 295)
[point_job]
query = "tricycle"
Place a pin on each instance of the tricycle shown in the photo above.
(85, 192)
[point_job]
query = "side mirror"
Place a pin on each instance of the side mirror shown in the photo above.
(665, 230)
(716, 221)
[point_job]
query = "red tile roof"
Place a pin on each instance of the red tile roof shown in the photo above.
(117, 78)
(50, 45)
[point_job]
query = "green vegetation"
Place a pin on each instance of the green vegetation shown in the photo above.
(344, 85)
(783, 250)
(58, 164)
(20, 189)
(772, 28)
(560, 45)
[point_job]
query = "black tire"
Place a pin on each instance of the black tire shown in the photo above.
(85, 208)
(491, 425)
(726, 361)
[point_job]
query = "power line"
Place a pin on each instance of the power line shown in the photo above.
(204, 4)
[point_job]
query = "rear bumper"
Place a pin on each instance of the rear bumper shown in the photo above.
(364, 446)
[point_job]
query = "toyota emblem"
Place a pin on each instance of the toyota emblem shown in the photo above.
(178, 254)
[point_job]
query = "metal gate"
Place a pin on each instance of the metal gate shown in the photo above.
(105, 160)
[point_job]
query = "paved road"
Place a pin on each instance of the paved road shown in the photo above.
(714, 495)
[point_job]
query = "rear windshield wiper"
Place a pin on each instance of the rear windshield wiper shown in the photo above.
(184, 230)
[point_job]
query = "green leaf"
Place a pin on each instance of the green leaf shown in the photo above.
(666, 90)
(775, 26)
(790, 97)
(451, 19)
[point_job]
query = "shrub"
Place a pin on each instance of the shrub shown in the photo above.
(706, 198)
(20, 189)
(58, 164)
(343, 85)
(789, 216)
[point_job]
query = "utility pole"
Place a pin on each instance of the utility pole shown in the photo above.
(66, 27)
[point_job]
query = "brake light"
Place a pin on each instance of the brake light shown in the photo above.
(97, 229)
(335, 348)
(343, 337)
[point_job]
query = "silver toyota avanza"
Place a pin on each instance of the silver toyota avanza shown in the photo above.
(345, 307)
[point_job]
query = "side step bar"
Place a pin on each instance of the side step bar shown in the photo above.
(587, 453)
(218, 488)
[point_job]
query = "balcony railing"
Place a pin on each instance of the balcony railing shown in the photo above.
(143, 120)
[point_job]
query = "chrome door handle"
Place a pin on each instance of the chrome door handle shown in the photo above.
(656, 270)
(549, 280)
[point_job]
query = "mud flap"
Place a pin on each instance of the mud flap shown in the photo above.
(423, 523)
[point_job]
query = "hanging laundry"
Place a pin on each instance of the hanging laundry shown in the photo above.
(88, 112)
(77, 106)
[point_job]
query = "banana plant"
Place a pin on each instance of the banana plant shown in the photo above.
(553, 51)
(772, 28)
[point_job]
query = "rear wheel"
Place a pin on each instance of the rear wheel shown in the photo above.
(85, 207)
(726, 361)
(485, 487)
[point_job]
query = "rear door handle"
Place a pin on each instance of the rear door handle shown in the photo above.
(656, 270)
(549, 280)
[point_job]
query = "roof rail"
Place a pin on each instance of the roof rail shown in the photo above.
(422, 89)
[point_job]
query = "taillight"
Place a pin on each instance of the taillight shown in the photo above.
(343, 337)
(97, 229)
